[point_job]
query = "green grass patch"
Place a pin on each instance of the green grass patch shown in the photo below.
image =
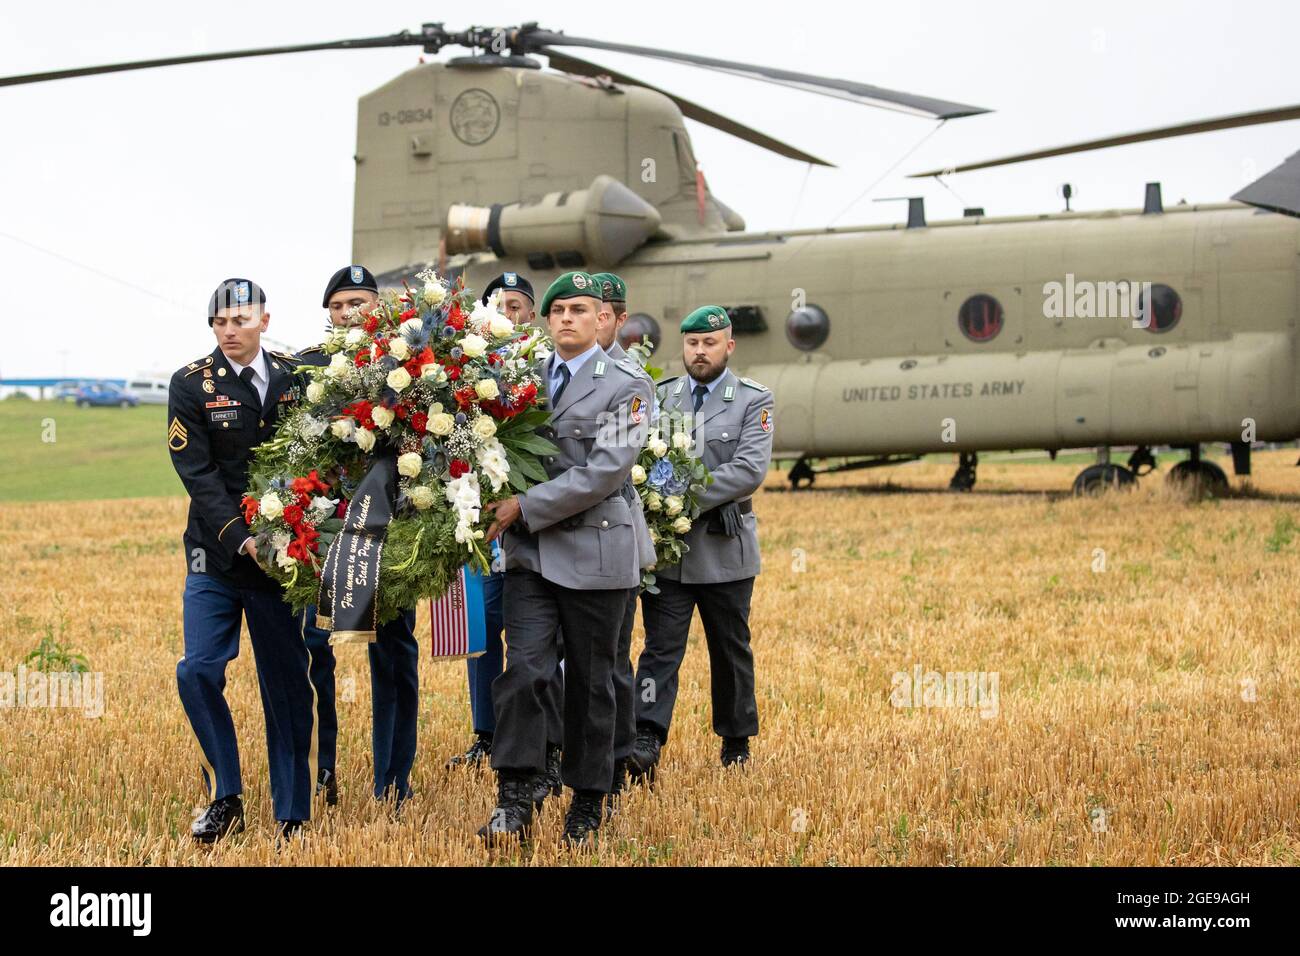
(54, 451)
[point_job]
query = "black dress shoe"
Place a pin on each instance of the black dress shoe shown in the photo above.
(478, 751)
(616, 788)
(735, 751)
(513, 815)
(327, 782)
(642, 761)
(548, 784)
(222, 818)
(583, 819)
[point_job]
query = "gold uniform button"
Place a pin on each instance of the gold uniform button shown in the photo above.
(225, 424)
(262, 424)
(604, 524)
(221, 371)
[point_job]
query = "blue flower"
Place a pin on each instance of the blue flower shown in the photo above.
(660, 472)
(676, 486)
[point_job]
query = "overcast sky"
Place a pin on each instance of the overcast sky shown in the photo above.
(120, 174)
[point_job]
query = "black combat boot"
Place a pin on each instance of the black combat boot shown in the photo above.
(735, 751)
(222, 818)
(644, 758)
(583, 819)
(548, 784)
(616, 788)
(513, 815)
(328, 783)
(478, 751)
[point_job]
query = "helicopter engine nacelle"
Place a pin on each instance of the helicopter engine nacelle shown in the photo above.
(604, 223)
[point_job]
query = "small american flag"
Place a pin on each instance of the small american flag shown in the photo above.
(457, 620)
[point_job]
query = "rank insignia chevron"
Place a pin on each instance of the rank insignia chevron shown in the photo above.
(177, 436)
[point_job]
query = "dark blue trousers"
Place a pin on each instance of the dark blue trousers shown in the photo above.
(395, 699)
(212, 611)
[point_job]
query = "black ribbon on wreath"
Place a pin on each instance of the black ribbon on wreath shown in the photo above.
(349, 582)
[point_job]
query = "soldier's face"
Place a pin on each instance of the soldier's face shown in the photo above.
(573, 324)
(705, 354)
(611, 320)
(344, 303)
(516, 307)
(239, 331)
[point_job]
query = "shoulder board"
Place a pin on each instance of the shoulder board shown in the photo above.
(286, 356)
(631, 366)
(312, 348)
(753, 384)
(665, 382)
(197, 364)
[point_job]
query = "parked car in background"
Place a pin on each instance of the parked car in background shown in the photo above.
(150, 391)
(102, 394)
(66, 391)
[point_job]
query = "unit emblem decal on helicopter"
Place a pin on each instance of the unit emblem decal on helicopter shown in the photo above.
(475, 117)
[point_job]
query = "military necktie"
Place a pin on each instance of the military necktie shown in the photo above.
(701, 392)
(246, 376)
(565, 375)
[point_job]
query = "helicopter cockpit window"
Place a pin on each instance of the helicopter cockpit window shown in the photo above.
(808, 328)
(639, 326)
(980, 317)
(1167, 307)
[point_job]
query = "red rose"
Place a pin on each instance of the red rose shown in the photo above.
(293, 515)
(458, 467)
(402, 411)
(453, 373)
(419, 422)
(370, 325)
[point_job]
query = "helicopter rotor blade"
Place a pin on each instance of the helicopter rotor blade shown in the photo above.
(572, 64)
(862, 93)
(1258, 118)
(405, 38)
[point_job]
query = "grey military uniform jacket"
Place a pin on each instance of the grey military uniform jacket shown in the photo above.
(645, 546)
(577, 529)
(733, 434)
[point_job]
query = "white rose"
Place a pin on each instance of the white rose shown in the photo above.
(398, 348)
(410, 464)
(682, 525)
(653, 502)
(432, 371)
(441, 424)
(681, 440)
(673, 505)
(433, 293)
(435, 408)
(382, 415)
(659, 448)
(339, 366)
(500, 326)
(271, 506)
(486, 388)
(354, 336)
(343, 428)
(484, 427)
(315, 391)
(473, 345)
(421, 496)
(638, 475)
(654, 536)
(365, 439)
(323, 506)
(412, 326)
(398, 379)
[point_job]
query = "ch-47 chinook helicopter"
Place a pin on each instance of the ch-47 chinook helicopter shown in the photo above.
(881, 343)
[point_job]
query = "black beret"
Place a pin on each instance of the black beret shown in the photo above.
(349, 277)
(233, 293)
(509, 282)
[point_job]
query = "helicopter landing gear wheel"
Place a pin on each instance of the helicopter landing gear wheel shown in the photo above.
(963, 479)
(1204, 478)
(1096, 479)
(801, 471)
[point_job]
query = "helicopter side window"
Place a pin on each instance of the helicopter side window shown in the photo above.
(808, 328)
(980, 317)
(1166, 305)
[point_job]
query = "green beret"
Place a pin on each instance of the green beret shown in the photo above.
(570, 285)
(707, 318)
(612, 288)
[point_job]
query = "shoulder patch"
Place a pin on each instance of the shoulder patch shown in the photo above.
(197, 364)
(753, 384)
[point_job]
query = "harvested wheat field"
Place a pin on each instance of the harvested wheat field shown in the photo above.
(1137, 654)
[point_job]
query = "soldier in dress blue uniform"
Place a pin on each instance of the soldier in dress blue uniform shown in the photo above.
(395, 653)
(220, 408)
(571, 561)
(732, 427)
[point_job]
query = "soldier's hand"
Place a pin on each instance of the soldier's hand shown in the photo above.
(250, 548)
(505, 514)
